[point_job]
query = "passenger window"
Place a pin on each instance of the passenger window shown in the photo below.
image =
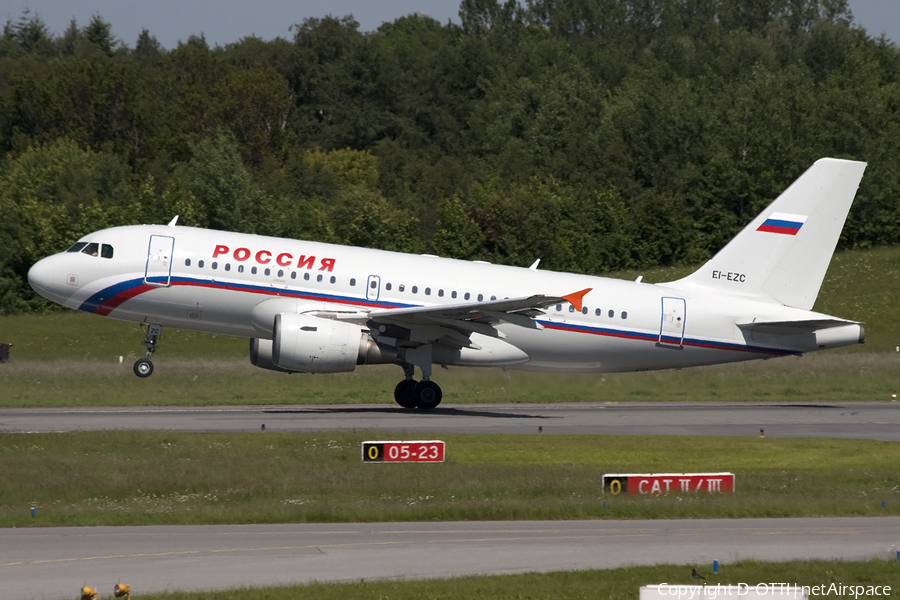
(333, 279)
(559, 308)
(280, 273)
(480, 297)
(468, 295)
(92, 249)
(306, 276)
(441, 293)
(611, 314)
(624, 315)
(373, 284)
(187, 262)
(215, 265)
(267, 272)
(598, 312)
(240, 268)
(319, 278)
(453, 294)
(387, 286)
(77, 246)
(584, 310)
(352, 282)
(493, 298)
(200, 263)
(106, 251)
(401, 287)
(571, 308)
(415, 289)
(253, 270)
(427, 291)
(293, 274)
(227, 266)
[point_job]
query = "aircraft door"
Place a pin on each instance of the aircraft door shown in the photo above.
(159, 260)
(373, 287)
(671, 328)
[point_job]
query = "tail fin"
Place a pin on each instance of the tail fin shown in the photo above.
(782, 255)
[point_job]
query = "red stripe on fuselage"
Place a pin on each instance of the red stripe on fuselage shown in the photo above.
(111, 304)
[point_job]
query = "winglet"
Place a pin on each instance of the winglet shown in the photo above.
(575, 298)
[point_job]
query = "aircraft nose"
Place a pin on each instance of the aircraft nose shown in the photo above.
(46, 279)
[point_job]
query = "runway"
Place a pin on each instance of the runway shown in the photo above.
(49, 563)
(54, 562)
(862, 420)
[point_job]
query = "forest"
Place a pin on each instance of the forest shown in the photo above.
(596, 135)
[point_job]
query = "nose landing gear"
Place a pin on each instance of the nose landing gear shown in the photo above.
(143, 367)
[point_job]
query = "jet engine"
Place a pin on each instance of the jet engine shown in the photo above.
(306, 344)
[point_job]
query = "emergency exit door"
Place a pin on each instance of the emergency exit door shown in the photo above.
(671, 328)
(159, 260)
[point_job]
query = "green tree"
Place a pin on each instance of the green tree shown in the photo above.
(342, 186)
(27, 35)
(98, 32)
(50, 196)
(217, 189)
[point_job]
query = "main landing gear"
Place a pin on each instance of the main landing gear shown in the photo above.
(410, 393)
(143, 367)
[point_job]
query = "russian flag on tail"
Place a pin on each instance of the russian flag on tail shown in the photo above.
(783, 223)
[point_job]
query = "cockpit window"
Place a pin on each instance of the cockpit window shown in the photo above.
(92, 249)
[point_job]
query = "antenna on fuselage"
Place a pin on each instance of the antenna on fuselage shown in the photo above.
(173, 221)
(535, 264)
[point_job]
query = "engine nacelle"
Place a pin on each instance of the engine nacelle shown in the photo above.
(307, 344)
(261, 355)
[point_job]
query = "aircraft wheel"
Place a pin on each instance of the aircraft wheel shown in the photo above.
(428, 395)
(143, 368)
(405, 393)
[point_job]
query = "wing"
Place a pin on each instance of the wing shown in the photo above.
(453, 323)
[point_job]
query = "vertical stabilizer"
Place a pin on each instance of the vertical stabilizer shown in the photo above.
(782, 255)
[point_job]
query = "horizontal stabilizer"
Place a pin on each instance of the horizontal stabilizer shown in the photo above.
(793, 327)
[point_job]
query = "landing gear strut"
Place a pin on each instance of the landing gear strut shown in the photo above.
(143, 367)
(410, 393)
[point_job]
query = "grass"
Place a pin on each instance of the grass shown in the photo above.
(612, 584)
(135, 478)
(73, 359)
(233, 381)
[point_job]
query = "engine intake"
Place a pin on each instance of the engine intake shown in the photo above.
(306, 344)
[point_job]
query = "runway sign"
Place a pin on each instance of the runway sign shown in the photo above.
(637, 484)
(418, 451)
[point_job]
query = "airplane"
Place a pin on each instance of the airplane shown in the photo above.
(312, 307)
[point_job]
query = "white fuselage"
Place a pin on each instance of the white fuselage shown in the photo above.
(212, 281)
